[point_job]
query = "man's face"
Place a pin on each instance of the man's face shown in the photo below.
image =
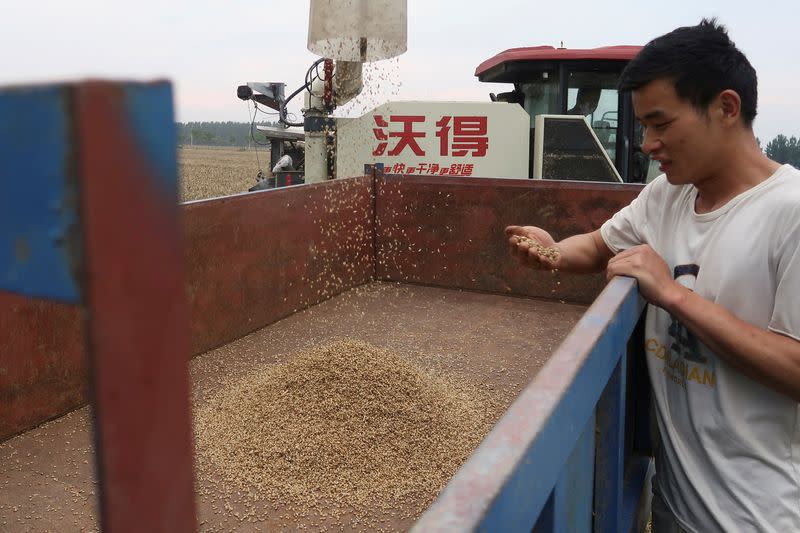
(588, 100)
(680, 138)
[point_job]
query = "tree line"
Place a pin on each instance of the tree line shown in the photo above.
(784, 150)
(218, 133)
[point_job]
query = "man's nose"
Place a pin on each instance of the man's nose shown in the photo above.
(650, 143)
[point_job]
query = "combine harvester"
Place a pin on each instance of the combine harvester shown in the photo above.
(111, 288)
(563, 119)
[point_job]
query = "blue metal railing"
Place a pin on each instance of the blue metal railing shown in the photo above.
(560, 458)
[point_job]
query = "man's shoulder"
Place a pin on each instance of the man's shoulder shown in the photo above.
(777, 202)
(789, 177)
(784, 189)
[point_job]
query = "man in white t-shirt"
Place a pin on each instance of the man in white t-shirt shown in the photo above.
(715, 246)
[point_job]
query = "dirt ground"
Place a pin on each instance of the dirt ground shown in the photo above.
(211, 171)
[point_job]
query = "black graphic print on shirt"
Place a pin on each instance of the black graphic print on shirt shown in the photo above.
(684, 343)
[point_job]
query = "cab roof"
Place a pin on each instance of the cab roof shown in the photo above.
(493, 68)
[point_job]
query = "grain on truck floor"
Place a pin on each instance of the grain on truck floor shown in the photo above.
(46, 479)
(347, 423)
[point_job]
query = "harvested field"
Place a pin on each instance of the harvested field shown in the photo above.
(209, 171)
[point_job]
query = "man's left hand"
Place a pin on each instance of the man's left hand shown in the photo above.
(650, 270)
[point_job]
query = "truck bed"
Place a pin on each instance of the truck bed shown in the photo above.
(497, 341)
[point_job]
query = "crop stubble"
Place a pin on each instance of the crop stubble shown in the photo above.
(208, 172)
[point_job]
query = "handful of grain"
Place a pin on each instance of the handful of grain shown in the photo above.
(550, 253)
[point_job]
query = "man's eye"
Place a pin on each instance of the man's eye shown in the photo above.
(662, 126)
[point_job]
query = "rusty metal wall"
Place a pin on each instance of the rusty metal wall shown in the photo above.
(253, 259)
(42, 368)
(449, 231)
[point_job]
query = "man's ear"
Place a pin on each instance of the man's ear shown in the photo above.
(729, 107)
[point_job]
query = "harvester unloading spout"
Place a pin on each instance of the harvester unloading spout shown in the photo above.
(357, 30)
(350, 32)
(346, 34)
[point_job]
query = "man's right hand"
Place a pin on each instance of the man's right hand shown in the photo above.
(532, 255)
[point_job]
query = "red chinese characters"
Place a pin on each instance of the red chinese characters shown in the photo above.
(458, 136)
(407, 136)
(431, 169)
(469, 134)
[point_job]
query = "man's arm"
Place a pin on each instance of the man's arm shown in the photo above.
(582, 253)
(770, 358)
(585, 253)
(765, 356)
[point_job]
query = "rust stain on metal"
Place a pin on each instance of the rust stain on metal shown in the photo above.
(42, 368)
(137, 337)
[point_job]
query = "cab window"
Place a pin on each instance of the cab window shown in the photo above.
(594, 95)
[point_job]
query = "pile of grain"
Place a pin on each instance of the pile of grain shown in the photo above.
(349, 425)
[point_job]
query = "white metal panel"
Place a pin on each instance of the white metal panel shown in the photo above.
(480, 139)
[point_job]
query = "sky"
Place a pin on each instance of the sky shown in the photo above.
(209, 48)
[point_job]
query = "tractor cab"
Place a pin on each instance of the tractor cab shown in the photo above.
(551, 81)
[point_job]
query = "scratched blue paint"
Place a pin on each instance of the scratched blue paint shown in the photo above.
(150, 116)
(37, 207)
(569, 506)
(524, 495)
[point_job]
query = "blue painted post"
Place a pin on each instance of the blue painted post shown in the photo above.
(546, 523)
(39, 244)
(610, 452)
(569, 507)
(578, 482)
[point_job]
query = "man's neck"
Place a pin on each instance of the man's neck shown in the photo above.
(742, 167)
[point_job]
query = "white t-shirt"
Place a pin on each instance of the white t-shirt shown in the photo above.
(729, 458)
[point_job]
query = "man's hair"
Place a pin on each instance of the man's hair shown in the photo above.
(701, 61)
